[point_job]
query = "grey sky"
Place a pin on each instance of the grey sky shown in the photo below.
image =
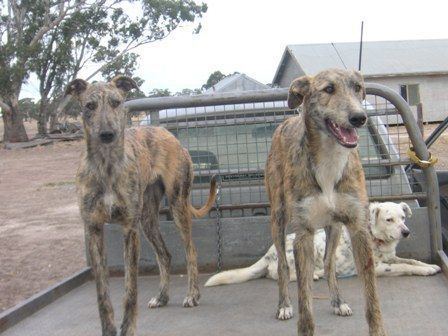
(250, 35)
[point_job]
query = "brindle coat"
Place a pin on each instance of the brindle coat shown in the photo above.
(122, 177)
(312, 182)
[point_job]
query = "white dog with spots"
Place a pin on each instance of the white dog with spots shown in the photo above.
(387, 227)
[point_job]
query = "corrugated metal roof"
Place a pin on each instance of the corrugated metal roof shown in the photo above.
(378, 58)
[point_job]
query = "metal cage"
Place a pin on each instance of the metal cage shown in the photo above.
(229, 135)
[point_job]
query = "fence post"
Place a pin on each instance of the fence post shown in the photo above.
(420, 119)
(155, 118)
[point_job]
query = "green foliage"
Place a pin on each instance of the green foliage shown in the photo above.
(28, 108)
(57, 39)
(159, 93)
(188, 92)
(214, 78)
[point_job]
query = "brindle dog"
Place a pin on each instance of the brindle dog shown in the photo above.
(122, 177)
(314, 179)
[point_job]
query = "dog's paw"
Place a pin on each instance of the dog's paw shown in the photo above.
(343, 310)
(190, 301)
(436, 268)
(284, 313)
(428, 270)
(157, 302)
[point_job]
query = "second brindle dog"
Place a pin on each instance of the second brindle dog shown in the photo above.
(314, 179)
(122, 177)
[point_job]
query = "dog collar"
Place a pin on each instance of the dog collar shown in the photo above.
(378, 242)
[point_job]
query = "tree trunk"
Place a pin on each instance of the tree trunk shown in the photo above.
(14, 130)
(42, 117)
(54, 120)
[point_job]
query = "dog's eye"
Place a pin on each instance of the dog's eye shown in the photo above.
(357, 88)
(329, 89)
(91, 105)
(115, 103)
(390, 220)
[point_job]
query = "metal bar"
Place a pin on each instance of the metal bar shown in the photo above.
(420, 118)
(423, 153)
(154, 117)
(360, 47)
(160, 103)
(385, 162)
(414, 196)
(260, 173)
(18, 313)
(444, 262)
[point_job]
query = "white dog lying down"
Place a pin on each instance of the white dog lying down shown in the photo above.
(387, 227)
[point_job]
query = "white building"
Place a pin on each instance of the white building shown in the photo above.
(417, 69)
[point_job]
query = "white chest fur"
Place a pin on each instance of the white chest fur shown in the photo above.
(109, 200)
(329, 169)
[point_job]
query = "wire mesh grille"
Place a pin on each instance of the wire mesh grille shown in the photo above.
(233, 141)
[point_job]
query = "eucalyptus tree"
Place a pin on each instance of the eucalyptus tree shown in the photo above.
(55, 39)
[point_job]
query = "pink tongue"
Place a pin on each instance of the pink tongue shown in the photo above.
(348, 134)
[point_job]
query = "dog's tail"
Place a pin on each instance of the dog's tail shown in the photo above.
(257, 270)
(198, 213)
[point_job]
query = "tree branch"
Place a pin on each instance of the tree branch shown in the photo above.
(62, 14)
(4, 106)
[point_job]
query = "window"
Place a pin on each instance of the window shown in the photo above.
(410, 93)
(245, 147)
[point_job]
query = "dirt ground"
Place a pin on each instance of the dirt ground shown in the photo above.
(41, 235)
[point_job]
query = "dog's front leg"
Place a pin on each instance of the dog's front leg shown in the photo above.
(365, 264)
(304, 261)
(131, 257)
(398, 260)
(95, 241)
(278, 226)
(333, 233)
(386, 269)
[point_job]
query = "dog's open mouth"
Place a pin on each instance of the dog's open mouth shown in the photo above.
(347, 137)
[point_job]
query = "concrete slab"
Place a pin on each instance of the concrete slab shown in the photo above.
(415, 306)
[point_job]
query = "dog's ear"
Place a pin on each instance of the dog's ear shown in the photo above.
(299, 88)
(407, 210)
(76, 87)
(124, 83)
(360, 78)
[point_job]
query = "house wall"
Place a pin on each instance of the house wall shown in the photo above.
(290, 72)
(433, 93)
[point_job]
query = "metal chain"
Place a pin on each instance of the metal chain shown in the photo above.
(218, 226)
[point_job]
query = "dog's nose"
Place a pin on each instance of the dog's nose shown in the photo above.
(405, 233)
(107, 136)
(358, 119)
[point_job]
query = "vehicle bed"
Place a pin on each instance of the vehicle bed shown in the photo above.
(412, 306)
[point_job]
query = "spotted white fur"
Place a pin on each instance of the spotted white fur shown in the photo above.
(386, 236)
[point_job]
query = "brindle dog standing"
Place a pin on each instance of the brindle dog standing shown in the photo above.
(314, 179)
(122, 177)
